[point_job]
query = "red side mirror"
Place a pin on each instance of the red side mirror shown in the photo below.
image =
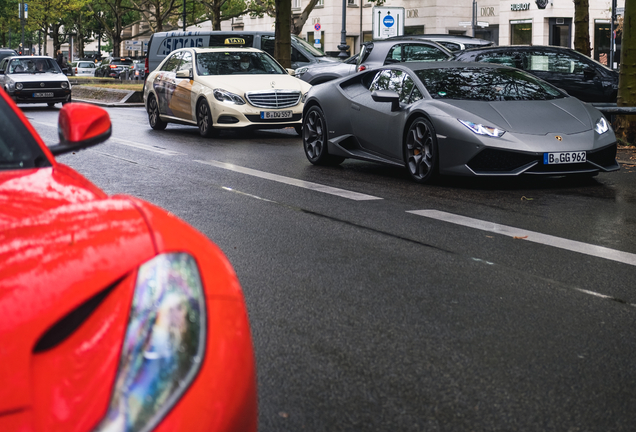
(81, 125)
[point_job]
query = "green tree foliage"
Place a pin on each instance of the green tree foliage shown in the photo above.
(160, 15)
(9, 22)
(626, 125)
(114, 16)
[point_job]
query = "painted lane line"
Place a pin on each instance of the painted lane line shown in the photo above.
(145, 147)
(558, 242)
(292, 181)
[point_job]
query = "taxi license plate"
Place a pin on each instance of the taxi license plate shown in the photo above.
(276, 114)
(42, 95)
(564, 158)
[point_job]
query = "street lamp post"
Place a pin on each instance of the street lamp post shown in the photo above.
(184, 15)
(343, 47)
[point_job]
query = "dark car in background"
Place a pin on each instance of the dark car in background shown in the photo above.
(113, 67)
(454, 43)
(569, 70)
(375, 54)
(7, 52)
(319, 73)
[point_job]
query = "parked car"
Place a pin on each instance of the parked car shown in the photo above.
(319, 73)
(84, 68)
(223, 88)
(34, 79)
(112, 308)
(375, 54)
(7, 52)
(454, 43)
(569, 70)
(138, 72)
(163, 43)
(113, 67)
(469, 119)
(383, 52)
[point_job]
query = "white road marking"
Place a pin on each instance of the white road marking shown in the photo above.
(292, 181)
(558, 242)
(125, 142)
(145, 147)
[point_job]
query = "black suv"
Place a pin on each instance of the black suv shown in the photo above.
(113, 67)
(569, 70)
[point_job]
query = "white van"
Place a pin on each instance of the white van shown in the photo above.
(163, 43)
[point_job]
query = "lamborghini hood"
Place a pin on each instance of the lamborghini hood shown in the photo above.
(564, 116)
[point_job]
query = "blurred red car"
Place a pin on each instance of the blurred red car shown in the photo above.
(116, 315)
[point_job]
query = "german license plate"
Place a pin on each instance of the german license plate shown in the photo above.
(276, 114)
(42, 95)
(564, 158)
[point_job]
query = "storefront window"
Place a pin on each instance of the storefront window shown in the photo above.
(521, 32)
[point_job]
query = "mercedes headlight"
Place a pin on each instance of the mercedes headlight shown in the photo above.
(163, 347)
(303, 98)
(481, 129)
(601, 126)
(226, 96)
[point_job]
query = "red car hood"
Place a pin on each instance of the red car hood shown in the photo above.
(62, 241)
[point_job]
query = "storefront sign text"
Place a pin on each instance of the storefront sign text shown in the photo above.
(520, 6)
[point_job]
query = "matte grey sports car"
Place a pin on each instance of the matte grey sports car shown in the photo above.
(456, 118)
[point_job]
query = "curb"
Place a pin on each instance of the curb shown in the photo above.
(110, 104)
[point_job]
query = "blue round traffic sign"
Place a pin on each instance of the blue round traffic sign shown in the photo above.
(317, 26)
(388, 21)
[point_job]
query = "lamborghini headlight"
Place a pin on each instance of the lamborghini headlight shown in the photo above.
(601, 126)
(226, 96)
(163, 346)
(481, 129)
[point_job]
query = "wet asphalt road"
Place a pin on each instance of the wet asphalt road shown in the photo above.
(367, 316)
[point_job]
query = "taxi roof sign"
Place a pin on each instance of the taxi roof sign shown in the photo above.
(234, 41)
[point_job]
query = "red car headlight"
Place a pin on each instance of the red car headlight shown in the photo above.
(164, 344)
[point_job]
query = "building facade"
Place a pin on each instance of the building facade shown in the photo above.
(511, 22)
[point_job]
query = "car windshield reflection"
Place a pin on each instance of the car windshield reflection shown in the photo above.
(485, 84)
(236, 63)
(36, 65)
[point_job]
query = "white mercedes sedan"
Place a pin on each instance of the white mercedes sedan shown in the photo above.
(224, 88)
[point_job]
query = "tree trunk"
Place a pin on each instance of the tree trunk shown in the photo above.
(582, 26)
(282, 33)
(626, 125)
(216, 15)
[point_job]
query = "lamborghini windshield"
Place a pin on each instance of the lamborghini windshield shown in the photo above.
(485, 84)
